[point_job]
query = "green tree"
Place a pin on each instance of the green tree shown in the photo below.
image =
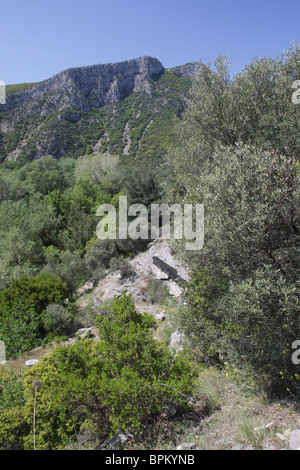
(25, 228)
(251, 202)
(238, 144)
(58, 321)
(259, 321)
(47, 174)
(70, 267)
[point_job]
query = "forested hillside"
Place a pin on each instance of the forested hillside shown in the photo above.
(188, 135)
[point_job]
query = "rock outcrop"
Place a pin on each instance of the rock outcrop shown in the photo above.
(144, 268)
(188, 70)
(82, 88)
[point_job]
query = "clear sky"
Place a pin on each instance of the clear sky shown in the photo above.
(40, 38)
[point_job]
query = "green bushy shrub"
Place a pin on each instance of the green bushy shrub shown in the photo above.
(58, 321)
(39, 291)
(20, 329)
(259, 323)
(119, 383)
(11, 390)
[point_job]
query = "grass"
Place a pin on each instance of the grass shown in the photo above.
(11, 89)
(226, 414)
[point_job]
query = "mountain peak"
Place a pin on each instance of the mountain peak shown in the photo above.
(103, 83)
(147, 65)
(112, 107)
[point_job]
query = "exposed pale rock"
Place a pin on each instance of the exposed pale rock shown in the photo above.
(119, 440)
(100, 84)
(285, 435)
(31, 362)
(186, 446)
(176, 341)
(85, 288)
(295, 440)
(160, 316)
(174, 289)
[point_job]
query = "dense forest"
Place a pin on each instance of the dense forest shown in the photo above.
(235, 148)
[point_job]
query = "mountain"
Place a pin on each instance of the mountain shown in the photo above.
(126, 108)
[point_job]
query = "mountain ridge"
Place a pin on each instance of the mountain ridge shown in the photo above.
(69, 113)
(147, 66)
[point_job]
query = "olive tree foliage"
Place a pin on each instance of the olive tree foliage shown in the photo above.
(255, 107)
(252, 213)
(238, 145)
(97, 167)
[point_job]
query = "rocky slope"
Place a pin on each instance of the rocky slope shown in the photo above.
(143, 270)
(106, 107)
(85, 87)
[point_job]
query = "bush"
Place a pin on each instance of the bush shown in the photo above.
(38, 291)
(120, 383)
(70, 267)
(20, 329)
(251, 323)
(147, 376)
(122, 265)
(58, 321)
(99, 255)
(13, 428)
(11, 390)
(259, 322)
(157, 291)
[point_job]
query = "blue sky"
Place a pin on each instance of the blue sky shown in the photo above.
(40, 38)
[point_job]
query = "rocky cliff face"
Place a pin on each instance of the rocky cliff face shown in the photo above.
(85, 87)
(188, 70)
(95, 107)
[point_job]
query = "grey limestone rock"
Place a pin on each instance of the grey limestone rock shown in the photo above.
(77, 87)
(186, 446)
(295, 440)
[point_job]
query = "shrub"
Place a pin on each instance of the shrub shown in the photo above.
(13, 428)
(119, 383)
(58, 321)
(99, 254)
(11, 390)
(39, 291)
(122, 265)
(259, 322)
(70, 267)
(20, 329)
(157, 291)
